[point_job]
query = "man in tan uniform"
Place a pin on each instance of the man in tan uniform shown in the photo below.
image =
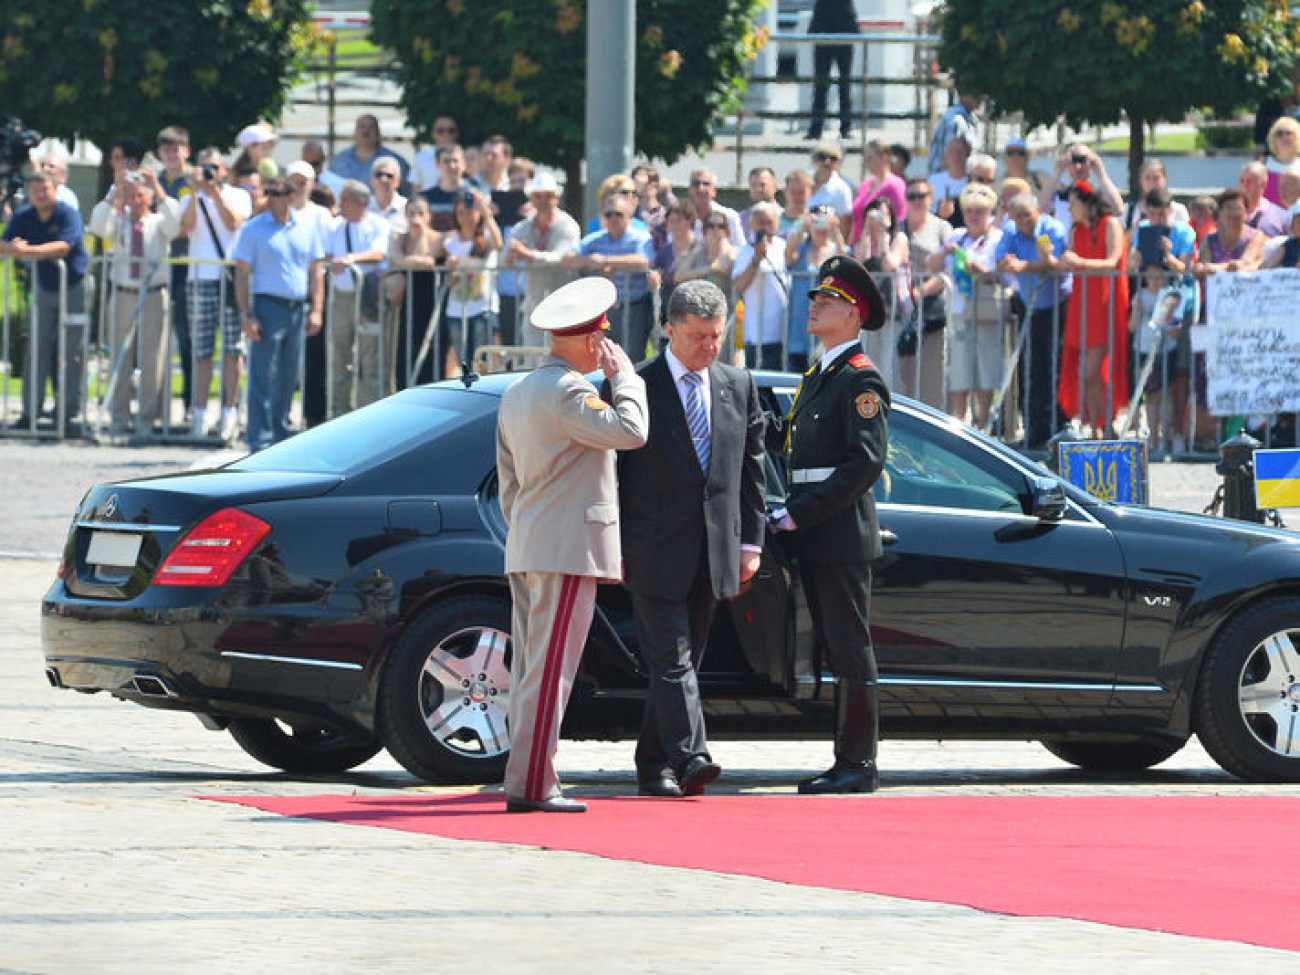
(559, 494)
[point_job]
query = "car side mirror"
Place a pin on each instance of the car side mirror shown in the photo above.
(1046, 498)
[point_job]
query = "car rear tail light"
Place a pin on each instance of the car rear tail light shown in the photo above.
(213, 549)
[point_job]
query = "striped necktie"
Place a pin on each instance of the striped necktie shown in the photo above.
(697, 420)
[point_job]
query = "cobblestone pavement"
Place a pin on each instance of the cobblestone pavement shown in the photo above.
(108, 862)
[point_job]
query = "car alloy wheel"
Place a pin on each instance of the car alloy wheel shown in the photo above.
(1268, 693)
(1248, 698)
(445, 693)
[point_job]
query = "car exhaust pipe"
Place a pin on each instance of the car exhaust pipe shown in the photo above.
(53, 677)
(151, 685)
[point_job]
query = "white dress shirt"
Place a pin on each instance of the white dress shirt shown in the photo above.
(832, 354)
(678, 371)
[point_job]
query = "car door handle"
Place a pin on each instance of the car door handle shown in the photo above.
(887, 537)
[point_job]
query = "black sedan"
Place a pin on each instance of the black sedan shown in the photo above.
(343, 591)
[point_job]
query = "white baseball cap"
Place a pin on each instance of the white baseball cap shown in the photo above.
(299, 167)
(544, 182)
(255, 134)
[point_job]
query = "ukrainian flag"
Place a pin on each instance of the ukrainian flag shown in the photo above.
(1277, 478)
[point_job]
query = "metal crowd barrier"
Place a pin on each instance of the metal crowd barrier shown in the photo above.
(409, 337)
(66, 377)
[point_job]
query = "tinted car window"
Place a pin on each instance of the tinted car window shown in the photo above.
(365, 437)
(927, 466)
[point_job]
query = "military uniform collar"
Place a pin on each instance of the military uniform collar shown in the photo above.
(554, 360)
(831, 356)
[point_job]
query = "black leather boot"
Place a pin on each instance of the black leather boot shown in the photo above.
(856, 732)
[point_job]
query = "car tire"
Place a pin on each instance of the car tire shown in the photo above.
(445, 692)
(1131, 754)
(1247, 705)
(317, 750)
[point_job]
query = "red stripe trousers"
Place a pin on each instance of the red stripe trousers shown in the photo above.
(552, 614)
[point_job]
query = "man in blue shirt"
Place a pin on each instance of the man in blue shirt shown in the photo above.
(277, 272)
(47, 231)
(623, 254)
(959, 122)
(1029, 239)
(355, 161)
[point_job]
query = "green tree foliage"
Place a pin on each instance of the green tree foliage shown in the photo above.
(518, 67)
(1089, 62)
(104, 69)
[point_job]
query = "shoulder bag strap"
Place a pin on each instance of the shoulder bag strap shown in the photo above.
(216, 241)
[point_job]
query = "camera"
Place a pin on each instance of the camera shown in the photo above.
(16, 145)
(209, 172)
(820, 222)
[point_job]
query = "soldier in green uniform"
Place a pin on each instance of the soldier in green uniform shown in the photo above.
(837, 439)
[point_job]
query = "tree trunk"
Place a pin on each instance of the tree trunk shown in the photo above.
(573, 190)
(1137, 135)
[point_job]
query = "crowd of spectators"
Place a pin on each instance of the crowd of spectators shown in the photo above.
(983, 262)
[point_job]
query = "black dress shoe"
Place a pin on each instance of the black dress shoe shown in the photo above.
(664, 786)
(696, 774)
(842, 778)
(554, 804)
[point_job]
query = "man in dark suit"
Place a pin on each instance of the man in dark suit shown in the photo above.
(837, 441)
(691, 507)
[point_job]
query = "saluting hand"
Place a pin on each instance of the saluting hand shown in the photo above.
(613, 359)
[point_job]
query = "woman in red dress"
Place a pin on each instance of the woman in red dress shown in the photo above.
(1096, 327)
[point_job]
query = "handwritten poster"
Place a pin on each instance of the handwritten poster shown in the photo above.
(1252, 356)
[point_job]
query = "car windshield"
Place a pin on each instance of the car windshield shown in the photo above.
(363, 438)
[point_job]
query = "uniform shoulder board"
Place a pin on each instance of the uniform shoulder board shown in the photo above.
(860, 361)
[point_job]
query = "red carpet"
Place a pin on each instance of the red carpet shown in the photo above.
(1207, 866)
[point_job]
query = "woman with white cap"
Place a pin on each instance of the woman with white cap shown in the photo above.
(257, 142)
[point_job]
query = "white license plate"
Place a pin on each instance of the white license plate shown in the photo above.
(113, 548)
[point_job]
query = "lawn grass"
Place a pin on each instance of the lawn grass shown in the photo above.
(1165, 142)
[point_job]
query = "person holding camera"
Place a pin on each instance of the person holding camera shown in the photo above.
(141, 237)
(47, 231)
(211, 217)
(760, 278)
(884, 250)
(280, 291)
(1077, 163)
(816, 241)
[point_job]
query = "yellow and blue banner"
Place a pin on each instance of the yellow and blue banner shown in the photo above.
(1113, 470)
(1277, 478)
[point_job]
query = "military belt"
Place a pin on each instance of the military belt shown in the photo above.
(811, 475)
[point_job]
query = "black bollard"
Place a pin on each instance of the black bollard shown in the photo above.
(1237, 468)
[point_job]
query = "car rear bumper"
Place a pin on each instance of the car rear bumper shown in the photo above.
(183, 658)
